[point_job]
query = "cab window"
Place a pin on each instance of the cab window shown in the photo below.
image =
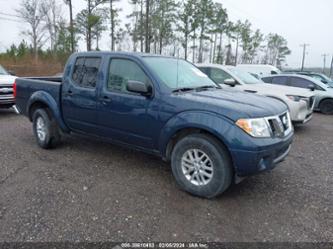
(123, 70)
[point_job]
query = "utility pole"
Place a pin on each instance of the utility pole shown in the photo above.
(69, 2)
(112, 25)
(324, 56)
(147, 35)
(304, 53)
(331, 70)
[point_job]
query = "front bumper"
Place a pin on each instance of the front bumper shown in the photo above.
(268, 155)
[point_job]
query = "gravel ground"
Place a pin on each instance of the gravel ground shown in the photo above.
(90, 190)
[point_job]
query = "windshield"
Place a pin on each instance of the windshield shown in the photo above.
(178, 73)
(3, 71)
(247, 78)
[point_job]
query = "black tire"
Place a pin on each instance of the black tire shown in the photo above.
(326, 106)
(221, 164)
(52, 134)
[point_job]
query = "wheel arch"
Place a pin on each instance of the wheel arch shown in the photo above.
(323, 99)
(183, 132)
(44, 100)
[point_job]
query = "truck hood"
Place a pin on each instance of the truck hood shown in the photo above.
(234, 104)
(7, 79)
(265, 88)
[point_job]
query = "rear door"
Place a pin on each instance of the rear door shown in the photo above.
(79, 94)
(299, 82)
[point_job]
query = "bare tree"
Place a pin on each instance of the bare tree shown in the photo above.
(51, 16)
(30, 12)
(70, 6)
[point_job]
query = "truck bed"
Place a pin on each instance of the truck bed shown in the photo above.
(26, 87)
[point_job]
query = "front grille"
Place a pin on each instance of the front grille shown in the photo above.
(6, 90)
(280, 125)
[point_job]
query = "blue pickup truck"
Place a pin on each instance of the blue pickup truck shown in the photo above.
(164, 106)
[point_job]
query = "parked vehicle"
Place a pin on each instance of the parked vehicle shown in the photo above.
(299, 102)
(319, 76)
(6, 88)
(323, 92)
(259, 70)
(163, 106)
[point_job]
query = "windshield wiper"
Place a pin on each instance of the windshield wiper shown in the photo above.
(201, 88)
(183, 89)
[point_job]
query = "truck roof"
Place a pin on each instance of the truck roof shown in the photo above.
(135, 54)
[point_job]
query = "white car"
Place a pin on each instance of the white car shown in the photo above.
(6, 89)
(299, 101)
(259, 70)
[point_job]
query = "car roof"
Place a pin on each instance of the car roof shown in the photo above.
(257, 65)
(214, 65)
(315, 81)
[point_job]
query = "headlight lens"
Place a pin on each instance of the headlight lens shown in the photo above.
(295, 97)
(257, 127)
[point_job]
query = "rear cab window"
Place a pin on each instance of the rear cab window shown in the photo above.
(85, 72)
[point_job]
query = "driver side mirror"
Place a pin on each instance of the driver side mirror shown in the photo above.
(230, 82)
(312, 87)
(138, 87)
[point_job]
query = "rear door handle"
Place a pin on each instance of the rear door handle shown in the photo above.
(69, 93)
(106, 100)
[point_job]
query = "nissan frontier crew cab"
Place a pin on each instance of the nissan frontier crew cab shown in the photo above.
(164, 106)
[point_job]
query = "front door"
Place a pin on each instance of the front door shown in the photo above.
(79, 95)
(123, 115)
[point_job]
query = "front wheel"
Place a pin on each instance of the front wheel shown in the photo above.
(201, 165)
(326, 106)
(45, 129)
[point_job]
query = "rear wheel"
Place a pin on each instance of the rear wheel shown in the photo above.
(201, 165)
(46, 129)
(326, 106)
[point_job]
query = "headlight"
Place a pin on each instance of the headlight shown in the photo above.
(295, 97)
(257, 127)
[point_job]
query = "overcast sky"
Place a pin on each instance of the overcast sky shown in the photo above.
(299, 21)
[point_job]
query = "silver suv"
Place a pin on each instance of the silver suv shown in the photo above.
(300, 102)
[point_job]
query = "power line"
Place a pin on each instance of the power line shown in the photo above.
(304, 53)
(6, 14)
(8, 19)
